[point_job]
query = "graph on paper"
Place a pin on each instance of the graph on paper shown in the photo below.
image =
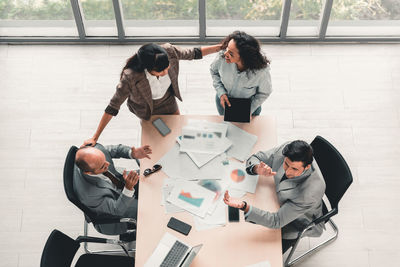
(187, 197)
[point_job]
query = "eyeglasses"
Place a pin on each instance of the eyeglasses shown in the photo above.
(149, 171)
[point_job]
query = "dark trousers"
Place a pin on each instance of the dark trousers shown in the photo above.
(286, 244)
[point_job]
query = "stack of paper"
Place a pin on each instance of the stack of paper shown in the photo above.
(203, 140)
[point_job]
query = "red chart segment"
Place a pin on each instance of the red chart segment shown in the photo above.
(237, 175)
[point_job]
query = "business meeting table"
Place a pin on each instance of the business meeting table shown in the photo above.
(236, 243)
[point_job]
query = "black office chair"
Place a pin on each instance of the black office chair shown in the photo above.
(92, 217)
(60, 249)
(338, 178)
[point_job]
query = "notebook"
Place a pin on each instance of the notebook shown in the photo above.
(171, 252)
(239, 111)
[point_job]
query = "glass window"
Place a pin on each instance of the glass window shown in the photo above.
(36, 18)
(364, 17)
(99, 18)
(304, 18)
(256, 17)
(161, 17)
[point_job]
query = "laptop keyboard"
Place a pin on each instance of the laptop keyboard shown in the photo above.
(174, 256)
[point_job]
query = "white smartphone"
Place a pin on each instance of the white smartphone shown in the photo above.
(161, 127)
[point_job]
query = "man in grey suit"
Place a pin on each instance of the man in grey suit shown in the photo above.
(299, 185)
(101, 188)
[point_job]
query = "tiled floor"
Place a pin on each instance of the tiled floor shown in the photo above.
(53, 96)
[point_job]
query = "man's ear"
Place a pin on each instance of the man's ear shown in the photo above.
(307, 167)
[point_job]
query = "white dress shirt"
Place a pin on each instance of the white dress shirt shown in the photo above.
(159, 86)
(125, 191)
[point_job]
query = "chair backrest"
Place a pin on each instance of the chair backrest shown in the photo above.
(69, 185)
(336, 172)
(59, 250)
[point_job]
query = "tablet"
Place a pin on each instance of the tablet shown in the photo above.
(239, 111)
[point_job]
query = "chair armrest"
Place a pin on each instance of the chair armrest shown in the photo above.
(318, 220)
(91, 239)
(115, 220)
(326, 217)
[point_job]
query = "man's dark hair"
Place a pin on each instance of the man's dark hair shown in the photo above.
(82, 164)
(299, 151)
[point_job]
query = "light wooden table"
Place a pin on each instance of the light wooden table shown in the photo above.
(236, 244)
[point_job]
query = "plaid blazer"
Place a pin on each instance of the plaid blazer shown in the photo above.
(135, 87)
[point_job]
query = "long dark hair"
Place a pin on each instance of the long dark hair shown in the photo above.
(150, 57)
(249, 50)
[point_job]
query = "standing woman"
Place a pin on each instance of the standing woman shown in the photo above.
(242, 71)
(149, 81)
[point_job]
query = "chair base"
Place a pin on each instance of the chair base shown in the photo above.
(122, 244)
(290, 262)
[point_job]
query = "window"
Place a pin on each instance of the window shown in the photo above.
(161, 17)
(255, 17)
(36, 18)
(364, 18)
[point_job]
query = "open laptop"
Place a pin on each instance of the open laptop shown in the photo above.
(170, 252)
(239, 111)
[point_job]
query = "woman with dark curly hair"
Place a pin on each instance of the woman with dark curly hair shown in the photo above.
(241, 71)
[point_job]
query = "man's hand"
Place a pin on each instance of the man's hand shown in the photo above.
(263, 169)
(131, 179)
(233, 202)
(89, 142)
(141, 152)
(224, 99)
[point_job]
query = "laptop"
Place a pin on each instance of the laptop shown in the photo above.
(170, 252)
(239, 111)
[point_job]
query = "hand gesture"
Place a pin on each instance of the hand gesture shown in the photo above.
(233, 202)
(224, 99)
(131, 179)
(89, 142)
(264, 169)
(141, 152)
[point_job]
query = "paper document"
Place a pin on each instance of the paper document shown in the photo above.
(242, 142)
(179, 165)
(216, 219)
(202, 158)
(168, 184)
(216, 186)
(236, 177)
(191, 197)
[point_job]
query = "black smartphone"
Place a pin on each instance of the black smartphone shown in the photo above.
(161, 127)
(233, 214)
(179, 226)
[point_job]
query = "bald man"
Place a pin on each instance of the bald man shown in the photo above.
(101, 188)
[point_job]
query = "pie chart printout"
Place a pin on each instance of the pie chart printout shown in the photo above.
(237, 175)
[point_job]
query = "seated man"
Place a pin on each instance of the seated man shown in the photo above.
(299, 186)
(101, 188)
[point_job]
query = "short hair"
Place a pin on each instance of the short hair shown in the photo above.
(299, 151)
(82, 163)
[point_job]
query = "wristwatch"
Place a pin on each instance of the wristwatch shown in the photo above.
(244, 206)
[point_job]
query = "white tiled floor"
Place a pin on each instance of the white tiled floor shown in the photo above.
(53, 96)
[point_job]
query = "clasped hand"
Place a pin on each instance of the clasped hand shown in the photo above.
(131, 179)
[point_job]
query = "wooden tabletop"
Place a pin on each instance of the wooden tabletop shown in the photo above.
(235, 244)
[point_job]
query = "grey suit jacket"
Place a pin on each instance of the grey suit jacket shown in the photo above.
(135, 86)
(300, 198)
(101, 197)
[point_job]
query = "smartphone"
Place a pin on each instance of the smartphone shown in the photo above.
(179, 226)
(233, 214)
(161, 127)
